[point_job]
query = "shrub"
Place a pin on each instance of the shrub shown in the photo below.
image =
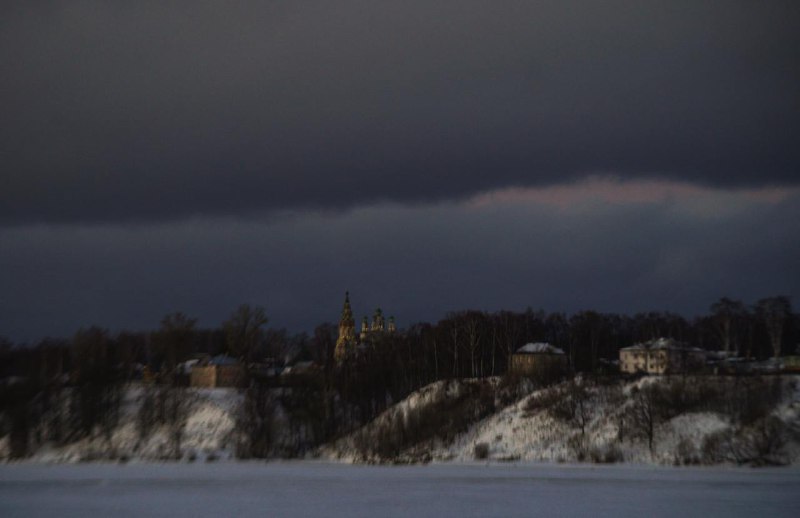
(481, 451)
(510, 389)
(573, 405)
(754, 399)
(606, 454)
(760, 444)
(716, 447)
(765, 442)
(578, 446)
(686, 454)
(543, 400)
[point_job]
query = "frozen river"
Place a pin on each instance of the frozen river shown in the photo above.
(330, 490)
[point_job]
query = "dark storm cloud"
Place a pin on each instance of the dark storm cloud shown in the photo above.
(157, 110)
(417, 263)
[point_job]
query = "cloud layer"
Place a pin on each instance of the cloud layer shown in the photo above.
(616, 252)
(156, 111)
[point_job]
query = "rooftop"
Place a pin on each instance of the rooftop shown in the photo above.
(660, 343)
(539, 348)
(223, 359)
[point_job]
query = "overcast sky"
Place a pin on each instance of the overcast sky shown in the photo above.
(622, 156)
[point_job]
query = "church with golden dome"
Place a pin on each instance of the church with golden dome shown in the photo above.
(347, 343)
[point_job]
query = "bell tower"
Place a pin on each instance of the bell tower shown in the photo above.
(377, 321)
(364, 329)
(347, 331)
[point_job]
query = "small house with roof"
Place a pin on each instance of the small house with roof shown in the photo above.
(219, 371)
(661, 356)
(538, 358)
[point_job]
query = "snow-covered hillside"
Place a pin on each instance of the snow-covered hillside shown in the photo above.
(530, 429)
(707, 420)
(206, 432)
(355, 447)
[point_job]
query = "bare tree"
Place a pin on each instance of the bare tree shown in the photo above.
(243, 330)
(573, 405)
(97, 388)
(644, 413)
(454, 328)
(774, 312)
(323, 343)
(586, 328)
(177, 405)
(173, 341)
(472, 330)
(727, 316)
(165, 405)
(255, 423)
(510, 331)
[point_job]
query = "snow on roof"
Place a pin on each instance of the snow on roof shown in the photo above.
(660, 343)
(223, 359)
(720, 355)
(186, 367)
(539, 348)
(299, 367)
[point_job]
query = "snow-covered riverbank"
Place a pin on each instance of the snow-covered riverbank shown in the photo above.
(703, 420)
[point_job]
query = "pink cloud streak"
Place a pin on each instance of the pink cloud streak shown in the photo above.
(612, 191)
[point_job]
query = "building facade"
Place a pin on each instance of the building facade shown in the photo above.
(378, 325)
(661, 356)
(220, 371)
(537, 359)
(347, 342)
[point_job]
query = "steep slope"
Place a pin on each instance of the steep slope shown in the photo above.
(205, 429)
(430, 417)
(703, 420)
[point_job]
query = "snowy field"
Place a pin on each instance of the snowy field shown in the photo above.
(332, 490)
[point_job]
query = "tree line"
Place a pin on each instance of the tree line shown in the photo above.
(86, 373)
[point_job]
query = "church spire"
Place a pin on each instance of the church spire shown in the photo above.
(347, 311)
(347, 331)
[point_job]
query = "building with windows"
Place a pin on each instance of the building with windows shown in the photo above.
(219, 371)
(536, 359)
(661, 356)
